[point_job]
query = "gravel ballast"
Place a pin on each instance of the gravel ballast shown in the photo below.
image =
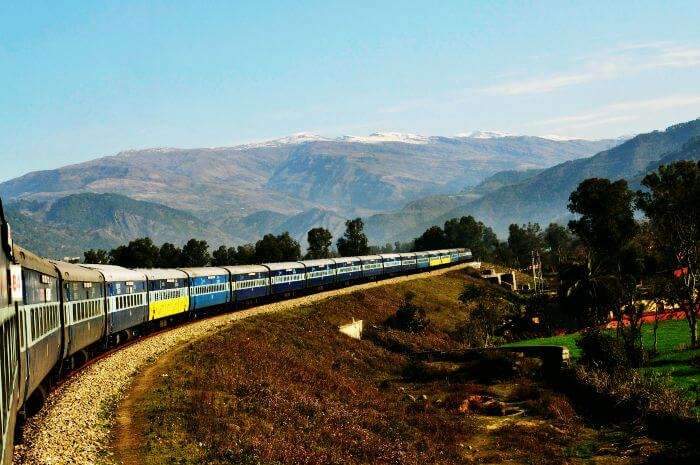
(74, 426)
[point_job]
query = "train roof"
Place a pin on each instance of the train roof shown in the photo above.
(204, 271)
(29, 260)
(317, 262)
(407, 254)
(113, 273)
(346, 259)
(284, 266)
(422, 254)
(389, 255)
(369, 257)
(77, 273)
(162, 273)
(246, 269)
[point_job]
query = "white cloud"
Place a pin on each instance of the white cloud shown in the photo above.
(614, 63)
(619, 112)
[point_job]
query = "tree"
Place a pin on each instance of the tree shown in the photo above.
(558, 242)
(139, 253)
(245, 254)
(273, 248)
(320, 240)
(223, 256)
(523, 240)
(169, 256)
(96, 257)
(471, 234)
(354, 241)
(195, 253)
(433, 238)
(672, 204)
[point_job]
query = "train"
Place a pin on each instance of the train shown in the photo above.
(56, 315)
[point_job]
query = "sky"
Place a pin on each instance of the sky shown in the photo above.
(80, 80)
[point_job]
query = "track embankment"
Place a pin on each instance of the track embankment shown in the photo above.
(75, 425)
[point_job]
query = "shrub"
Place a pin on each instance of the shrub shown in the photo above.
(409, 316)
(602, 350)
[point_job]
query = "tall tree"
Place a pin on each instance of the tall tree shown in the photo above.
(139, 253)
(433, 238)
(354, 241)
(273, 248)
(558, 242)
(96, 257)
(320, 240)
(672, 204)
(523, 240)
(169, 256)
(245, 254)
(223, 256)
(471, 234)
(195, 253)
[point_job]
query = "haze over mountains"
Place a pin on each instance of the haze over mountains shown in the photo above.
(293, 183)
(399, 183)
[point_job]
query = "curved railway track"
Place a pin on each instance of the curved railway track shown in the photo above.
(74, 425)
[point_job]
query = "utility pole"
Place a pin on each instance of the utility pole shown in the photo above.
(537, 272)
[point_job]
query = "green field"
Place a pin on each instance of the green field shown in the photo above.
(674, 360)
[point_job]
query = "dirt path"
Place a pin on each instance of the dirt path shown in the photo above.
(75, 425)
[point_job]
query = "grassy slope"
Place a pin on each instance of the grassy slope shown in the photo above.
(674, 360)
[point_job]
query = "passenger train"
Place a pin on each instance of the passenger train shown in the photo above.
(54, 315)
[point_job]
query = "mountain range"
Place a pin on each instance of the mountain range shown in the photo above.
(235, 194)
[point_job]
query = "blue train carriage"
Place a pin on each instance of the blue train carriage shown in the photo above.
(286, 277)
(454, 255)
(422, 260)
(168, 293)
(465, 255)
(408, 261)
(209, 287)
(10, 289)
(126, 299)
(249, 282)
(83, 308)
(319, 273)
(391, 263)
(39, 317)
(347, 269)
(371, 265)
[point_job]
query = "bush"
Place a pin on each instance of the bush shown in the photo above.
(409, 316)
(602, 350)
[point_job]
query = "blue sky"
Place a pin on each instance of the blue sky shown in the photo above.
(84, 79)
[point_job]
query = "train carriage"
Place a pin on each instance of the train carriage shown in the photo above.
(454, 255)
(249, 282)
(408, 261)
(319, 272)
(286, 277)
(422, 260)
(434, 258)
(126, 297)
(371, 265)
(39, 320)
(209, 286)
(9, 360)
(83, 306)
(391, 263)
(465, 254)
(347, 269)
(168, 292)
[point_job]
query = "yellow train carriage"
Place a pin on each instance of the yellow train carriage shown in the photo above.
(435, 259)
(168, 293)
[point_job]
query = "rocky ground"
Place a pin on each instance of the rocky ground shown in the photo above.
(75, 424)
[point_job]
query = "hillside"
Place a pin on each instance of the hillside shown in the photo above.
(348, 175)
(69, 225)
(543, 196)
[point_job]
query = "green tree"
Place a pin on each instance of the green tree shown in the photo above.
(96, 257)
(559, 244)
(432, 239)
(223, 256)
(672, 204)
(245, 254)
(169, 256)
(195, 253)
(354, 241)
(320, 240)
(139, 253)
(523, 240)
(273, 248)
(471, 234)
